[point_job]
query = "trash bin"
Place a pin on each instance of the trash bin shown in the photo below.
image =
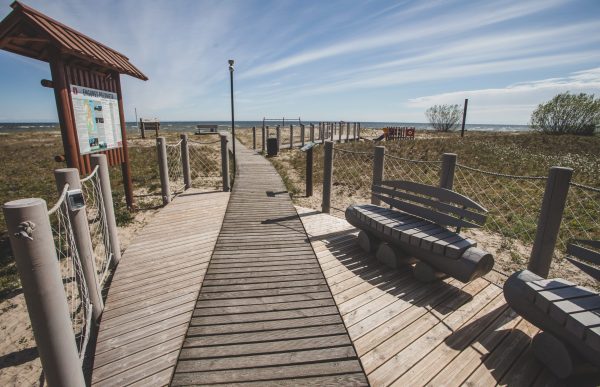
(272, 147)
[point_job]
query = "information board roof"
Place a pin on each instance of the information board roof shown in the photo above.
(28, 32)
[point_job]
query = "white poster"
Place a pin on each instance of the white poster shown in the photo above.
(96, 118)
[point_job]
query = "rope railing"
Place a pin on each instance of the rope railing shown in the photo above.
(69, 262)
(175, 168)
(581, 216)
(352, 177)
(513, 203)
(205, 163)
(419, 171)
(96, 215)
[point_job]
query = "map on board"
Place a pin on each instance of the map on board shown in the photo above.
(96, 118)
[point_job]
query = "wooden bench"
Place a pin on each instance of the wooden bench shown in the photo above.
(569, 315)
(414, 230)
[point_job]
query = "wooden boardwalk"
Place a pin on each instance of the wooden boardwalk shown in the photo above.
(411, 334)
(154, 291)
(265, 314)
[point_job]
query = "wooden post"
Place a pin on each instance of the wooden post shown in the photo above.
(312, 132)
(462, 131)
(83, 241)
(331, 130)
(254, 137)
(553, 205)
(378, 163)
(278, 135)
(447, 171)
(354, 131)
(35, 255)
(63, 107)
(347, 131)
(163, 169)
(327, 177)
(99, 159)
(185, 161)
(125, 166)
(340, 131)
(264, 138)
(302, 133)
(358, 129)
(225, 163)
(309, 172)
(142, 129)
(291, 136)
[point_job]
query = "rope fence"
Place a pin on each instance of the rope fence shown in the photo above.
(419, 171)
(69, 262)
(175, 168)
(513, 203)
(96, 214)
(352, 177)
(205, 163)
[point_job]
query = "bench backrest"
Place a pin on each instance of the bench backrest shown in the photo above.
(439, 205)
(585, 250)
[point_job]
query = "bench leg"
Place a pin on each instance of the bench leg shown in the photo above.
(368, 242)
(424, 272)
(558, 357)
(392, 256)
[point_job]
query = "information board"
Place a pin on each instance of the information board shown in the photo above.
(97, 119)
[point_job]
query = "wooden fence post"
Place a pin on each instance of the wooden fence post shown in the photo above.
(142, 129)
(83, 241)
(347, 132)
(378, 162)
(278, 135)
(358, 129)
(163, 169)
(327, 177)
(99, 159)
(254, 137)
(185, 161)
(447, 171)
(553, 205)
(312, 132)
(331, 130)
(340, 132)
(309, 172)
(225, 163)
(35, 255)
(291, 136)
(302, 133)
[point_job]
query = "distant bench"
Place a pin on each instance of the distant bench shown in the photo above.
(569, 315)
(414, 230)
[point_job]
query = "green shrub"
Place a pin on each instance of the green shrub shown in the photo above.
(568, 114)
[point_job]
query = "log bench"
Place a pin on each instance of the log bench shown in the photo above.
(414, 230)
(567, 314)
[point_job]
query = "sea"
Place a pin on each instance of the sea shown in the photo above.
(190, 126)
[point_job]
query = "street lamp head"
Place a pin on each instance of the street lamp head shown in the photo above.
(230, 64)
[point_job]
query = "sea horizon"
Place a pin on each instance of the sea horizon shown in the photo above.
(189, 126)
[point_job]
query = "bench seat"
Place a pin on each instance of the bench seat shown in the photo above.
(569, 312)
(423, 239)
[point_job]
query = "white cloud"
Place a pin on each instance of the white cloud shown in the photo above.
(514, 103)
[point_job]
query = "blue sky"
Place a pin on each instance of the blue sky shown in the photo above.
(327, 60)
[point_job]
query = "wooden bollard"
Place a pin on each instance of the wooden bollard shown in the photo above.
(100, 160)
(163, 169)
(34, 251)
(447, 171)
(254, 137)
(553, 205)
(378, 162)
(83, 241)
(327, 177)
(225, 163)
(185, 161)
(291, 136)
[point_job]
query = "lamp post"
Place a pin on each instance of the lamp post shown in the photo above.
(232, 116)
